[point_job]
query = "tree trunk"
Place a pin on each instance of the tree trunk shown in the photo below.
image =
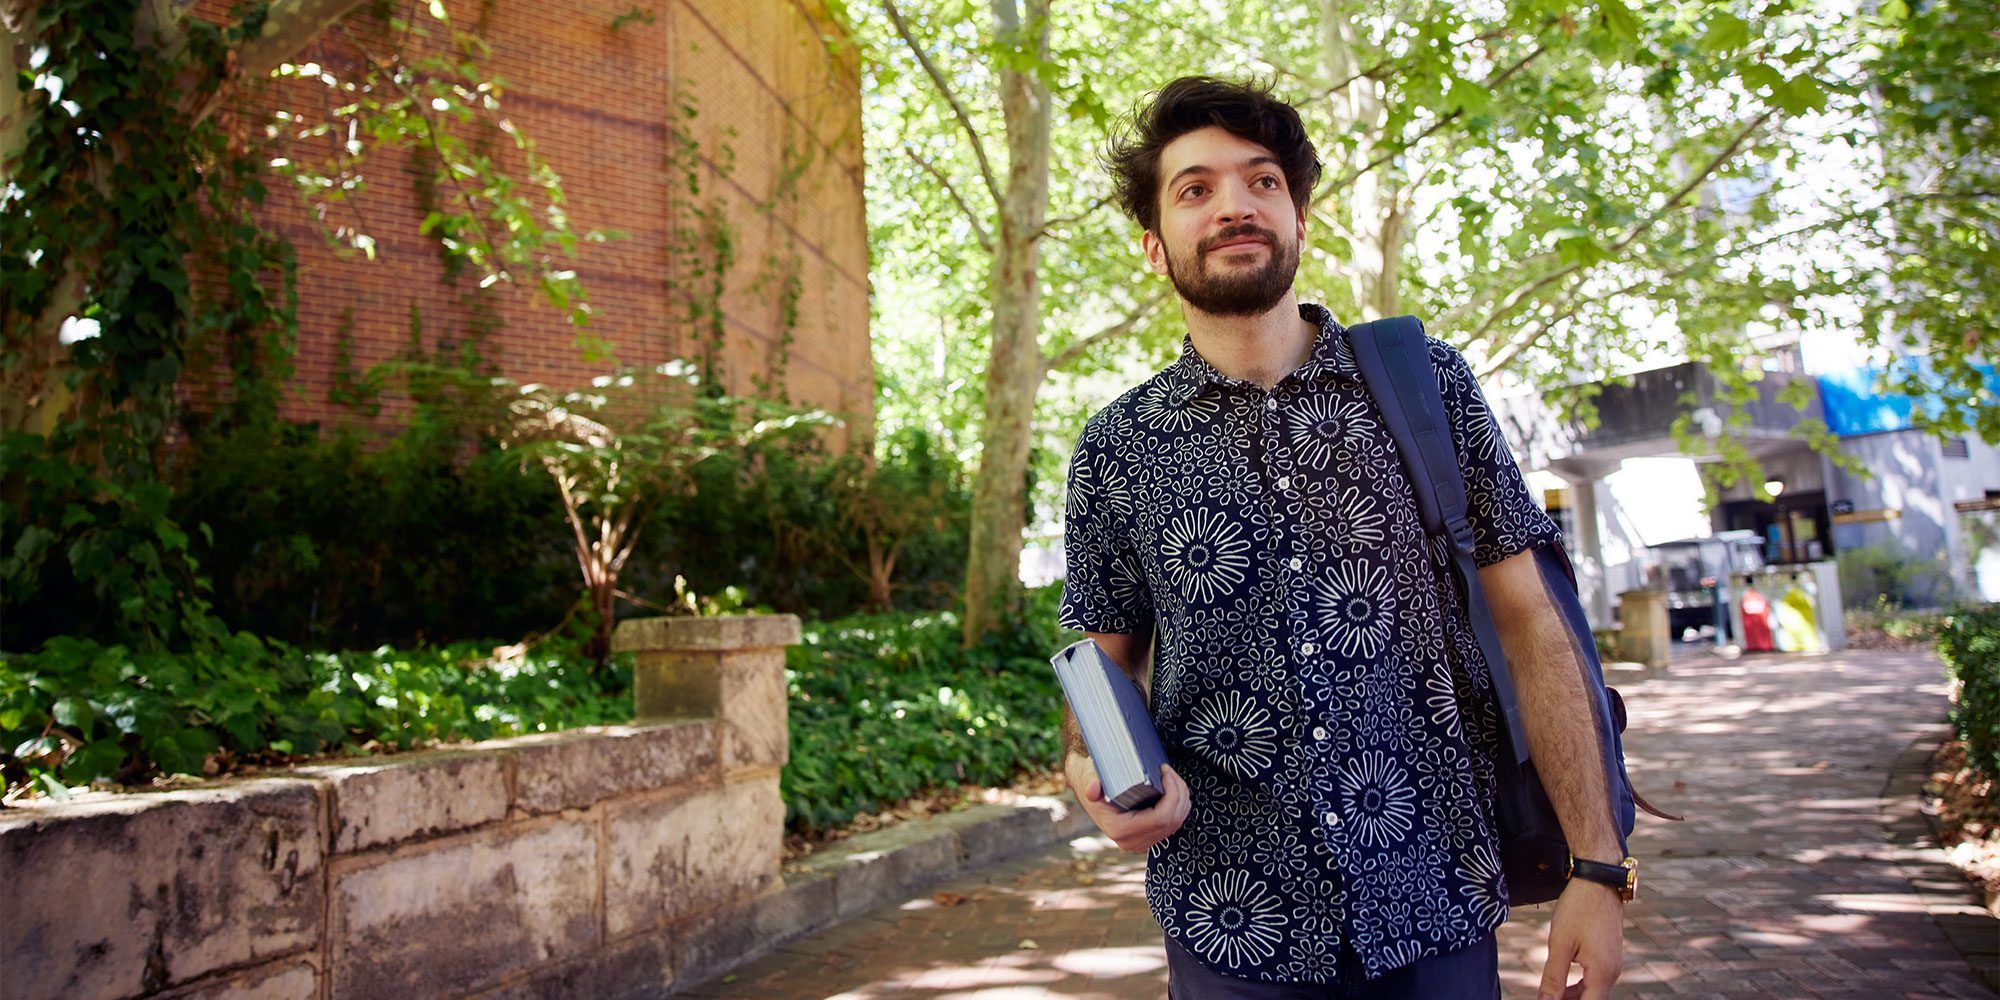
(1375, 201)
(1014, 368)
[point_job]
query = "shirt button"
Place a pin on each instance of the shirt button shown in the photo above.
(1332, 818)
(1298, 563)
(1319, 733)
(1270, 402)
(1284, 482)
(1308, 648)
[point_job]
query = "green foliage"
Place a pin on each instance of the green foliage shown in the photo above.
(781, 521)
(434, 98)
(632, 15)
(101, 102)
(1887, 577)
(1886, 620)
(77, 711)
(349, 539)
(128, 210)
(346, 539)
(886, 707)
(93, 555)
(1970, 647)
(1932, 63)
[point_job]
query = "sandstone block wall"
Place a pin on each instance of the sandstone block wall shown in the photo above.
(595, 862)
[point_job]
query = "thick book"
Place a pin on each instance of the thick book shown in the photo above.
(1117, 729)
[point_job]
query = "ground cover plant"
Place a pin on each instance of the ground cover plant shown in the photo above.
(886, 707)
(77, 711)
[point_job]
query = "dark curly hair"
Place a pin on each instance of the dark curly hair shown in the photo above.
(1247, 110)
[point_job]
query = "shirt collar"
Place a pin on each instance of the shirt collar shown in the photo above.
(1331, 358)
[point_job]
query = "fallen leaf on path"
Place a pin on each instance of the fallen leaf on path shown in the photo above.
(1029, 944)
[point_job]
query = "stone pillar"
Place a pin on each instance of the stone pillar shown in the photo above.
(1593, 588)
(1642, 631)
(730, 668)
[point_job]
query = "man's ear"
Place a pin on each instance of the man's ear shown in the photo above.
(1304, 210)
(1156, 252)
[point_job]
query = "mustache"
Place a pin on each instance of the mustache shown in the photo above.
(1234, 233)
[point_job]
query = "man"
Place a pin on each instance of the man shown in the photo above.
(1328, 826)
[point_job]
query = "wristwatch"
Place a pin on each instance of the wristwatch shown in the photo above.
(1623, 876)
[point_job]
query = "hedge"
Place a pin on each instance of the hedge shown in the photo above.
(1969, 643)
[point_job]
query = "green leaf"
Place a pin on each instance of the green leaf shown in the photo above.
(74, 712)
(55, 789)
(1763, 76)
(1726, 33)
(1799, 95)
(97, 759)
(1619, 19)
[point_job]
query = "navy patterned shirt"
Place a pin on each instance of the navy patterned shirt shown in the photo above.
(1316, 680)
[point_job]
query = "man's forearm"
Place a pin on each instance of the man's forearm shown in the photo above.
(1559, 714)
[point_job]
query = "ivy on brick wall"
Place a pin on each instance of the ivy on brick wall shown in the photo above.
(135, 265)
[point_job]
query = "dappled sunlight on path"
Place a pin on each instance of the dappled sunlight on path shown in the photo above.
(1780, 884)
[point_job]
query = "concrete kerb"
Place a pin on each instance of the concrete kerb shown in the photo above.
(865, 871)
(1955, 905)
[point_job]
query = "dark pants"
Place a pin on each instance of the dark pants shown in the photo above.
(1471, 973)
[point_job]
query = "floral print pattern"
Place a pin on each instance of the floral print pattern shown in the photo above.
(1315, 680)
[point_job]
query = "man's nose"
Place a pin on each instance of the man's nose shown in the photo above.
(1233, 203)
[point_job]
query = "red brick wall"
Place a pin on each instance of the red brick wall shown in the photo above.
(600, 105)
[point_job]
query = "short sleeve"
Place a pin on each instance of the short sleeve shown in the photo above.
(1505, 517)
(1105, 590)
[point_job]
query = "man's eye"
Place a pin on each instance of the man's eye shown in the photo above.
(1192, 191)
(1268, 181)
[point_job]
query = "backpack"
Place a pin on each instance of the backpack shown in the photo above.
(1534, 857)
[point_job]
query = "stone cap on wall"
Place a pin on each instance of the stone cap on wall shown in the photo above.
(717, 632)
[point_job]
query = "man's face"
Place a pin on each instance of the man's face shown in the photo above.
(1228, 235)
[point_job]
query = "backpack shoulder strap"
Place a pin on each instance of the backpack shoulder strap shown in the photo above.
(1395, 361)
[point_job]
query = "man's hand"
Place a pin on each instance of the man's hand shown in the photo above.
(1140, 829)
(1588, 929)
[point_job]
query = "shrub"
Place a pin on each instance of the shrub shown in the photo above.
(1969, 643)
(885, 707)
(788, 525)
(78, 711)
(355, 540)
(1876, 575)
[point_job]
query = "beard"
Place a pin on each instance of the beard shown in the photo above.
(1240, 291)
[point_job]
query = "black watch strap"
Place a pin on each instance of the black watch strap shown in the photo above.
(1617, 876)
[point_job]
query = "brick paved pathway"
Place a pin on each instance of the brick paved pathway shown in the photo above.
(1780, 884)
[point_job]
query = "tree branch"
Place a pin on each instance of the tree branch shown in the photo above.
(1119, 329)
(1065, 220)
(978, 228)
(1570, 304)
(1521, 293)
(1406, 145)
(1140, 11)
(944, 90)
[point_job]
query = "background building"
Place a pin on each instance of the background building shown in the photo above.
(1626, 485)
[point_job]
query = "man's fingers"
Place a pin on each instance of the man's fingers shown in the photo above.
(1094, 792)
(1597, 980)
(1555, 974)
(1574, 991)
